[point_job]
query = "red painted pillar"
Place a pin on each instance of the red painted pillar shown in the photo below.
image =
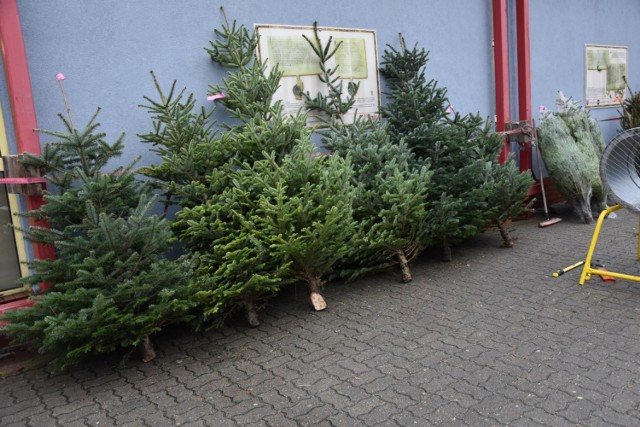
(524, 75)
(21, 99)
(501, 65)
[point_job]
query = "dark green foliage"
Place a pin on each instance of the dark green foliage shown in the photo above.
(461, 150)
(184, 138)
(507, 190)
(278, 221)
(390, 195)
(248, 88)
(234, 46)
(389, 204)
(237, 267)
(111, 288)
(249, 92)
(630, 114)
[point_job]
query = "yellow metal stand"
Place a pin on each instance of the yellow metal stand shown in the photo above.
(587, 270)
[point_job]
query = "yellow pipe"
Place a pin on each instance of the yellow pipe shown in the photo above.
(566, 269)
(638, 253)
(587, 270)
(612, 274)
(13, 207)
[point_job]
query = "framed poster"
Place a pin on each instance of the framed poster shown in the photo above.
(605, 74)
(356, 60)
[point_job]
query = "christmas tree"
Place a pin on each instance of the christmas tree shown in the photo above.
(390, 199)
(630, 114)
(459, 149)
(241, 257)
(307, 209)
(571, 144)
(390, 190)
(110, 286)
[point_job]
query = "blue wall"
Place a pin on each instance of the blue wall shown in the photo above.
(107, 47)
(559, 31)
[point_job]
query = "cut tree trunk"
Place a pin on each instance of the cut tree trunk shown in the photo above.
(507, 240)
(317, 300)
(404, 266)
(445, 254)
(146, 348)
(251, 312)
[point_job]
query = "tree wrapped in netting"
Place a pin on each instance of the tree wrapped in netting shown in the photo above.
(571, 144)
(461, 150)
(110, 284)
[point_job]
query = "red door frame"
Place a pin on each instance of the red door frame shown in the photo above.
(21, 101)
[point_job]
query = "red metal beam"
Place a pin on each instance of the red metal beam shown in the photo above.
(21, 99)
(501, 65)
(524, 75)
(17, 75)
(33, 180)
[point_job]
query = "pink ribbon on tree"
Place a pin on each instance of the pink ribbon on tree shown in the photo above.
(216, 96)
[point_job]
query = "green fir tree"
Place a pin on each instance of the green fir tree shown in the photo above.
(462, 154)
(630, 114)
(390, 199)
(336, 103)
(389, 204)
(241, 259)
(111, 287)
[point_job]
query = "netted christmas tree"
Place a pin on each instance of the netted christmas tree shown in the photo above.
(111, 287)
(571, 144)
(461, 152)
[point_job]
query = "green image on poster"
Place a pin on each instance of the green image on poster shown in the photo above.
(351, 58)
(293, 55)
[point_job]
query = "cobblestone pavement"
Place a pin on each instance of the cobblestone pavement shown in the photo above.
(488, 339)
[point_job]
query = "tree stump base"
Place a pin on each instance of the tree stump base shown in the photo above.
(317, 301)
(445, 255)
(146, 348)
(404, 267)
(251, 313)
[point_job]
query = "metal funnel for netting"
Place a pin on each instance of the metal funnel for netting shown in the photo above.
(620, 169)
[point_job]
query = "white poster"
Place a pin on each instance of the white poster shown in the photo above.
(356, 60)
(606, 70)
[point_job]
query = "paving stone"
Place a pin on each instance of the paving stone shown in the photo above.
(381, 412)
(99, 419)
(488, 339)
(36, 419)
(78, 413)
(279, 420)
(318, 415)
